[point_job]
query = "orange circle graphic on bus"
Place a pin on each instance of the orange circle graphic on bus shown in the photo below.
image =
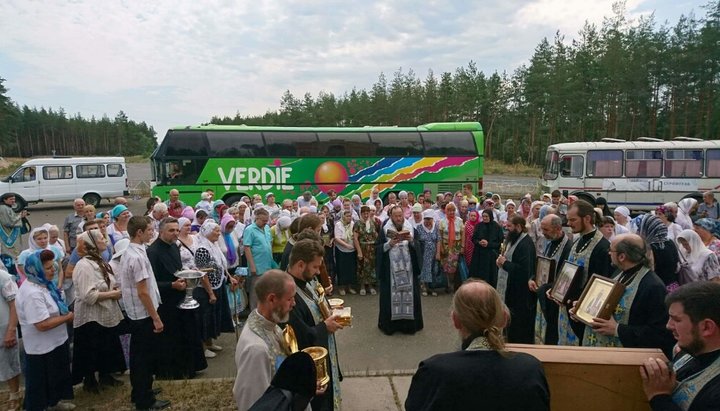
(331, 175)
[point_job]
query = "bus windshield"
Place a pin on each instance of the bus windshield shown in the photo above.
(551, 165)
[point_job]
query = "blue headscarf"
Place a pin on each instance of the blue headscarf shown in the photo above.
(36, 274)
(709, 224)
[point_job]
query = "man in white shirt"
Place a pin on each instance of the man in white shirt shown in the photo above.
(261, 348)
(141, 297)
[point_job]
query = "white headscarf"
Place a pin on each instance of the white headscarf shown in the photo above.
(32, 245)
(698, 251)
(683, 213)
(213, 247)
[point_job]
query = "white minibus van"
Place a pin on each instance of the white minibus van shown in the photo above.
(67, 178)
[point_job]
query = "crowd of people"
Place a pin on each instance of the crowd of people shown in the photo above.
(103, 296)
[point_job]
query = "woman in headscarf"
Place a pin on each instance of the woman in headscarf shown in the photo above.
(10, 225)
(709, 230)
(244, 212)
(218, 210)
(38, 239)
(200, 217)
(622, 220)
(229, 244)
(280, 236)
(668, 218)
(602, 204)
(469, 249)
(526, 208)
(365, 234)
(188, 212)
(534, 230)
(96, 345)
(118, 229)
(54, 242)
(451, 239)
(345, 253)
(214, 307)
(702, 263)
(487, 238)
(665, 253)
(186, 244)
(686, 208)
(42, 314)
(426, 238)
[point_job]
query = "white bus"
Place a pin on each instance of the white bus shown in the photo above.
(639, 174)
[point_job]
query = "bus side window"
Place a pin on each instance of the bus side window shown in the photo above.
(571, 166)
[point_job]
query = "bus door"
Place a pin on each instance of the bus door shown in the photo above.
(571, 177)
(604, 176)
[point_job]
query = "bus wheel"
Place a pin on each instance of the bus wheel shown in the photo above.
(92, 199)
(232, 199)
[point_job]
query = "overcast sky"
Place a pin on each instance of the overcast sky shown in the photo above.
(173, 62)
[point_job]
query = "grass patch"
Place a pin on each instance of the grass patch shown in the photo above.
(10, 164)
(518, 169)
(136, 159)
(211, 394)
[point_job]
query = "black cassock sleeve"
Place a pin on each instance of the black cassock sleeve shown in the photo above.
(308, 334)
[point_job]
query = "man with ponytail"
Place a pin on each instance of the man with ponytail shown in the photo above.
(482, 375)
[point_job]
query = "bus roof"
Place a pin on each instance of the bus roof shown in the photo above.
(629, 145)
(459, 126)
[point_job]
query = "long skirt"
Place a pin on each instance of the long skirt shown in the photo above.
(330, 264)
(346, 267)
(216, 317)
(96, 349)
(47, 378)
(366, 266)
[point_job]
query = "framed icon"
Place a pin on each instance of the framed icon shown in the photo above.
(564, 281)
(544, 270)
(599, 299)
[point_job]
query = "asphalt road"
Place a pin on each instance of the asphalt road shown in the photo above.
(362, 348)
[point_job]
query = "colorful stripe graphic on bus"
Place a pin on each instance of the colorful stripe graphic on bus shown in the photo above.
(291, 177)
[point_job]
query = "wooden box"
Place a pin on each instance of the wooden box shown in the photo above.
(590, 378)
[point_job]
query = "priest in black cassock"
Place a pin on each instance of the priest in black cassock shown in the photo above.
(181, 351)
(517, 267)
(311, 320)
(398, 277)
(640, 318)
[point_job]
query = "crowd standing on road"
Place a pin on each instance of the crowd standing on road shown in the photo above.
(106, 291)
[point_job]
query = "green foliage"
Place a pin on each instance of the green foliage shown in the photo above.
(623, 79)
(28, 132)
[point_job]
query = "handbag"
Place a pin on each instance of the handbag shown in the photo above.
(684, 274)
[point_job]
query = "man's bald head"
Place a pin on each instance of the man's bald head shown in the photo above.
(630, 248)
(551, 226)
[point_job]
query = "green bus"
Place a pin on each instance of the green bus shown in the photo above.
(245, 160)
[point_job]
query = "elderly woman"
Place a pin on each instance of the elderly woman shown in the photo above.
(699, 262)
(280, 236)
(365, 234)
(214, 307)
(9, 350)
(686, 209)
(37, 240)
(88, 214)
(345, 253)
(96, 347)
(118, 229)
(426, 239)
(451, 239)
(42, 313)
(709, 229)
(11, 223)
